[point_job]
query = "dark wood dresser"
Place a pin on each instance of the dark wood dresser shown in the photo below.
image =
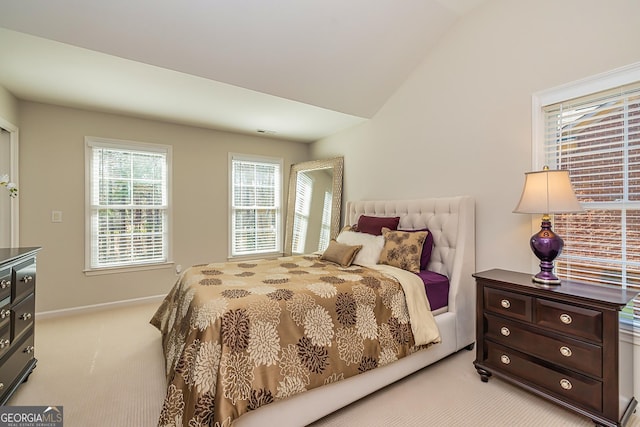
(17, 310)
(562, 343)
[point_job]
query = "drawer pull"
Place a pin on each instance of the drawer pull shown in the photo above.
(29, 349)
(1, 386)
(4, 313)
(566, 384)
(505, 359)
(27, 279)
(566, 319)
(4, 284)
(4, 342)
(25, 316)
(505, 303)
(505, 331)
(565, 351)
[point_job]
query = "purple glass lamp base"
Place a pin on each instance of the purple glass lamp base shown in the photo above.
(546, 245)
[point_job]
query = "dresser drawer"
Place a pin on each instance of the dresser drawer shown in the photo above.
(570, 320)
(572, 354)
(23, 316)
(25, 280)
(5, 283)
(508, 304)
(5, 337)
(566, 386)
(14, 363)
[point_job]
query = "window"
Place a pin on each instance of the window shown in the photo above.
(596, 137)
(325, 229)
(256, 184)
(127, 203)
(304, 190)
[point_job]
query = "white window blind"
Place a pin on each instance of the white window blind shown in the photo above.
(127, 203)
(255, 205)
(325, 230)
(302, 208)
(597, 139)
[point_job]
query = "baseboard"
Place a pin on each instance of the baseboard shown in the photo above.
(98, 307)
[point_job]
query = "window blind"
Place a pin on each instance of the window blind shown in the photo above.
(255, 205)
(325, 230)
(597, 139)
(128, 204)
(304, 191)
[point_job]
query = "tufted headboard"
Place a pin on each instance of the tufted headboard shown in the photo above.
(451, 220)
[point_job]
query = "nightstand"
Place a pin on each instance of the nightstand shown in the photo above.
(562, 343)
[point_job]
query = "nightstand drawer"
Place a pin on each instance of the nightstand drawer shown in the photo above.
(568, 319)
(572, 354)
(566, 386)
(508, 304)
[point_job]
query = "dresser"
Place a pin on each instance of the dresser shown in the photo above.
(562, 343)
(17, 309)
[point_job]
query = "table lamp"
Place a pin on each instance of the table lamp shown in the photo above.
(547, 192)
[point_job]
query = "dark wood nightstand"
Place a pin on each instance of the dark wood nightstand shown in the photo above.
(562, 343)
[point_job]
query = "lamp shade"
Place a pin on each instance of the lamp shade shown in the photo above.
(547, 192)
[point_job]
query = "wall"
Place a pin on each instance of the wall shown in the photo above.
(461, 124)
(52, 178)
(8, 107)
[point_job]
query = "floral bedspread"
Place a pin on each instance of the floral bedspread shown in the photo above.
(237, 336)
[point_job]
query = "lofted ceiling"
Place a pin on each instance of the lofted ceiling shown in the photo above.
(288, 69)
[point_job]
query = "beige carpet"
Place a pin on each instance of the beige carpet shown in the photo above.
(106, 369)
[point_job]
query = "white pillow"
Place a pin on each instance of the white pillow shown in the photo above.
(371, 246)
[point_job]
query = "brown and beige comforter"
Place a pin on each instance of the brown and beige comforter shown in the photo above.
(237, 336)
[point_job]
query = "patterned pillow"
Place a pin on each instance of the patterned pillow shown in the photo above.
(427, 248)
(403, 249)
(340, 254)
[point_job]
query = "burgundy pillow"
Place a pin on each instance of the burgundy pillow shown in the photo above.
(427, 247)
(374, 224)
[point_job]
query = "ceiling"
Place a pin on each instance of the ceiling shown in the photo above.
(288, 69)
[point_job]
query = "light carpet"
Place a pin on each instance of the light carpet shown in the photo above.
(106, 369)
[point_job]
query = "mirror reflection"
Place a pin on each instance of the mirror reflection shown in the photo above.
(313, 211)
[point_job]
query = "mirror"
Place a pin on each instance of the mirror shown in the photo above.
(313, 210)
(9, 166)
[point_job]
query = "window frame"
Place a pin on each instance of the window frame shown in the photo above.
(627, 75)
(583, 87)
(92, 142)
(279, 210)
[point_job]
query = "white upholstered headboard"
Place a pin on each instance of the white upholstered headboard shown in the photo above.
(451, 220)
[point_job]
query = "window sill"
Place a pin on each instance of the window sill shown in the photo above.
(255, 257)
(127, 269)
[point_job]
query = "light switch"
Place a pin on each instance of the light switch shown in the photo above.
(56, 216)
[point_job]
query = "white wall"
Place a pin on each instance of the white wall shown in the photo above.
(52, 178)
(8, 106)
(461, 124)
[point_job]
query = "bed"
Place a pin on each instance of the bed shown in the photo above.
(214, 303)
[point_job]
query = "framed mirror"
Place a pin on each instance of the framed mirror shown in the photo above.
(314, 206)
(9, 166)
